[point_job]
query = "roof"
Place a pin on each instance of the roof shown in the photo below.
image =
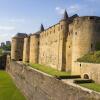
(22, 35)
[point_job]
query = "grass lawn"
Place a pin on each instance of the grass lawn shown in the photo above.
(92, 86)
(8, 90)
(49, 70)
(0, 51)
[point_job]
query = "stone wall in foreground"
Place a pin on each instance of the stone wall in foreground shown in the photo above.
(40, 86)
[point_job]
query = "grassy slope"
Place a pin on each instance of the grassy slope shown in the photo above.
(0, 51)
(8, 91)
(93, 57)
(92, 86)
(49, 70)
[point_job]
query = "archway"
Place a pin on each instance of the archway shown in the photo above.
(86, 76)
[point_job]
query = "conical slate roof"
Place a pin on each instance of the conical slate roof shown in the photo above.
(21, 35)
(65, 15)
(41, 28)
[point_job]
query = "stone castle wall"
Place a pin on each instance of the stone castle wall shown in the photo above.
(86, 33)
(90, 69)
(40, 86)
(50, 47)
(60, 45)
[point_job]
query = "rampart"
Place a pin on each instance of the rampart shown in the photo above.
(40, 86)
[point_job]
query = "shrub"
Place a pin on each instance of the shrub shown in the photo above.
(83, 81)
(93, 57)
(97, 46)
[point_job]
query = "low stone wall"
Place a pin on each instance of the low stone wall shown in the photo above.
(3, 61)
(40, 86)
(90, 69)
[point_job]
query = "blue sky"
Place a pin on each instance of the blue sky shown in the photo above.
(27, 15)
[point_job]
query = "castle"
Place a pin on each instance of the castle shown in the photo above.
(60, 45)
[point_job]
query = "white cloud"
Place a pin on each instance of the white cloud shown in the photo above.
(74, 8)
(17, 20)
(60, 10)
(7, 28)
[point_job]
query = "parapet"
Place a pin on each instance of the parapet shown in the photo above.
(87, 18)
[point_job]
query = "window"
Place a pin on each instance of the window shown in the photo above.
(91, 46)
(54, 30)
(75, 33)
(61, 26)
(50, 32)
(58, 28)
(38, 43)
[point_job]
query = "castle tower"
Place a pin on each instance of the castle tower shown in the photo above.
(26, 50)
(63, 34)
(34, 48)
(86, 35)
(17, 46)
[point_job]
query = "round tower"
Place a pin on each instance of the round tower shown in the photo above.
(86, 34)
(26, 50)
(64, 25)
(34, 48)
(17, 46)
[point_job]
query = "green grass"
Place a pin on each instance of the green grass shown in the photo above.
(92, 86)
(8, 90)
(49, 70)
(93, 57)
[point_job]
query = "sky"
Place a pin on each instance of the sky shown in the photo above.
(26, 16)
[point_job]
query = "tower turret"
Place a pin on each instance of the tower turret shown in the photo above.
(41, 28)
(64, 28)
(17, 46)
(34, 48)
(65, 16)
(26, 49)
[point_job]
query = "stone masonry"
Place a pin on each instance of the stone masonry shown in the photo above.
(60, 45)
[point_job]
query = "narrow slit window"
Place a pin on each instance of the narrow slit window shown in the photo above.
(75, 33)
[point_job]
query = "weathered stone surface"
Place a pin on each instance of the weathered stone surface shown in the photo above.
(86, 33)
(90, 69)
(60, 45)
(40, 86)
(17, 46)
